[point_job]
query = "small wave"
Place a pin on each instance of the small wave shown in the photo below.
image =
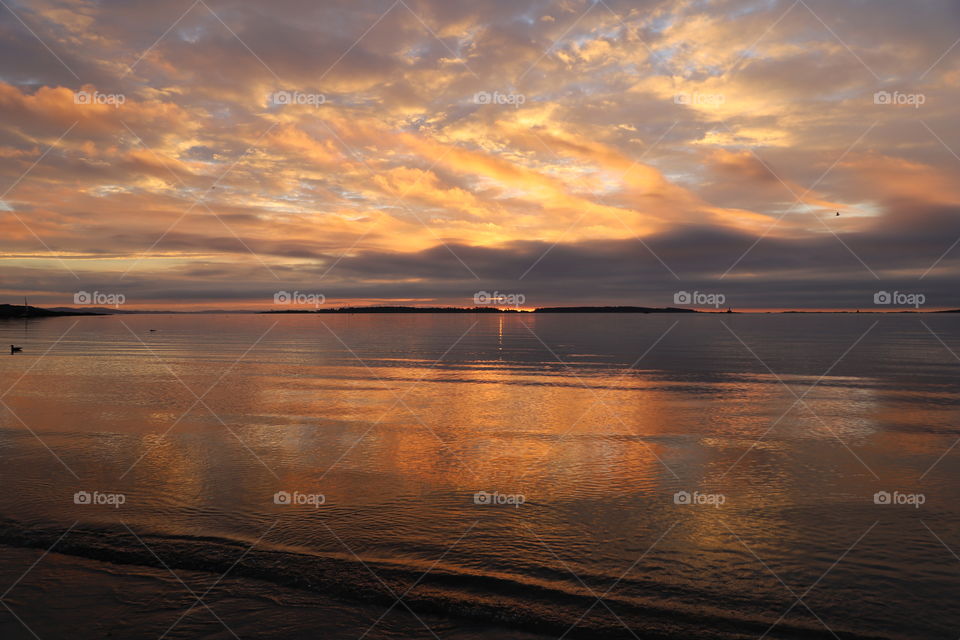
(504, 600)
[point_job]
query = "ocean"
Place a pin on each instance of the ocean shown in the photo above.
(480, 476)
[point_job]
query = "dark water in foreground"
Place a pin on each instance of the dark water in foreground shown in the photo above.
(382, 429)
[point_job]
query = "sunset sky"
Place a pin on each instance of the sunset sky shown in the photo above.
(576, 152)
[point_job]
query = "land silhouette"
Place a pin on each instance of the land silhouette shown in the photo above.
(26, 311)
(10, 311)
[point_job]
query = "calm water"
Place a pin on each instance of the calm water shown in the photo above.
(398, 422)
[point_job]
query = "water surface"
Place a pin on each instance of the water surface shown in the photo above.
(593, 422)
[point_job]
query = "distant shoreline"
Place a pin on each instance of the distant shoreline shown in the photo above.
(399, 309)
(620, 309)
(14, 311)
(9, 312)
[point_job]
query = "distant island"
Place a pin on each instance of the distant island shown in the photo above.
(615, 310)
(25, 311)
(400, 309)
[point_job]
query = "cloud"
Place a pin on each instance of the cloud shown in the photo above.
(713, 135)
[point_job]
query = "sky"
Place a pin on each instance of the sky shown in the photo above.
(226, 154)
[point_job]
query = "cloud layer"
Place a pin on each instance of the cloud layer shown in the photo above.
(210, 153)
